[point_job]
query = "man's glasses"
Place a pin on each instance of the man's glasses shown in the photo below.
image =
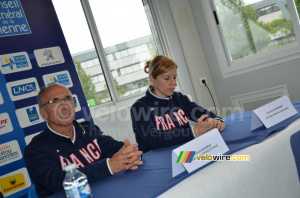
(57, 101)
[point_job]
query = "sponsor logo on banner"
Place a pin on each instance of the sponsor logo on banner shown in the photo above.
(76, 103)
(11, 63)
(32, 114)
(29, 116)
(14, 182)
(5, 124)
(62, 78)
(1, 99)
(28, 138)
(13, 20)
(23, 88)
(9, 152)
(49, 56)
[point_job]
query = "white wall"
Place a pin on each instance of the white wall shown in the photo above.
(179, 26)
(192, 48)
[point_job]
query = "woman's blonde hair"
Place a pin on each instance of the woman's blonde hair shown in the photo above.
(159, 65)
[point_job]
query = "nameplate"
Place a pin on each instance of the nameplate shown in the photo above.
(272, 113)
(184, 158)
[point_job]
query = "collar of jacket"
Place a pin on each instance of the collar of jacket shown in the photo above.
(150, 94)
(78, 130)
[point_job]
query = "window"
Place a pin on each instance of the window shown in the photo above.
(124, 31)
(253, 33)
(144, 47)
(142, 66)
(110, 57)
(138, 49)
(95, 79)
(123, 71)
(129, 69)
(118, 55)
(124, 53)
(101, 78)
(131, 51)
(90, 63)
(96, 61)
(136, 67)
(83, 65)
(115, 73)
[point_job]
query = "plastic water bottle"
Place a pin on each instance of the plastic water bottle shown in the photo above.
(75, 183)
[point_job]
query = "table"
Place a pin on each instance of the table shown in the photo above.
(270, 173)
(263, 176)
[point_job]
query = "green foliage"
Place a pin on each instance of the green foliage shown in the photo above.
(120, 90)
(286, 27)
(244, 34)
(153, 50)
(297, 2)
(86, 81)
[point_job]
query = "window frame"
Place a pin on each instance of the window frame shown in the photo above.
(257, 61)
(116, 102)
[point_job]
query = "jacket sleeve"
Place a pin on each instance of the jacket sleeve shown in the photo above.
(45, 171)
(108, 146)
(148, 137)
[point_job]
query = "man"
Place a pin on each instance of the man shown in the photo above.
(66, 141)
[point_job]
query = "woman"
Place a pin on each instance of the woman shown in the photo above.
(160, 118)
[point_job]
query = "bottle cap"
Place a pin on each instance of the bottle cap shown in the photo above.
(70, 167)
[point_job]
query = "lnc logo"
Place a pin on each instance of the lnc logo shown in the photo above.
(24, 89)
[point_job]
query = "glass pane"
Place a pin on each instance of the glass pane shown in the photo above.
(101, 78)
(96, 61)
(125, 32)
(110, 57)
(95, 79)
(129, 69)
(124, 53)
(90, 63)
(81, 46)
(297, 2)
(115, 73)
(83, 65)
(123, 71)
(136, 67)
(254, 26)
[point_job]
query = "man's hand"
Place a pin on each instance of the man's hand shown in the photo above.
(128, 157)
(135, 160)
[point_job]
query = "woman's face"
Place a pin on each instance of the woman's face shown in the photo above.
(164, 84)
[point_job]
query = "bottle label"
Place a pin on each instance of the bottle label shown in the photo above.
(80, 192)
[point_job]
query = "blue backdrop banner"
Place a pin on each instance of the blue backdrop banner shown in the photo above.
(33, 54)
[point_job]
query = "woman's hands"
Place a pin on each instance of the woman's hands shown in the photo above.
(205, 124)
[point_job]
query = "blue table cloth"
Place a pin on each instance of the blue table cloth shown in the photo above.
(155, 176)
(295, 145)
